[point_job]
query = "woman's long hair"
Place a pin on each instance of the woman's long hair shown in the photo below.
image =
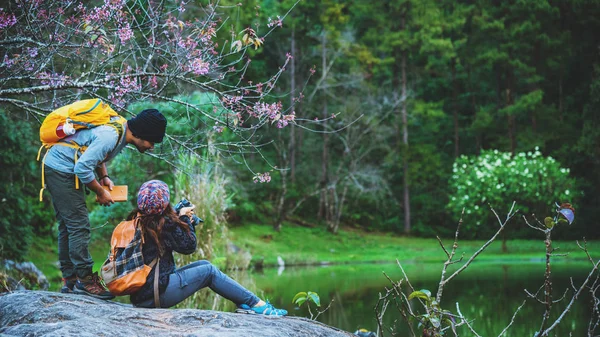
(153, 224)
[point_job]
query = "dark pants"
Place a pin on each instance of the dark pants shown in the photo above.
(185, 281)
(73, 223)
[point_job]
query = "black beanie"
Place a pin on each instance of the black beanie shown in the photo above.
(148, 125)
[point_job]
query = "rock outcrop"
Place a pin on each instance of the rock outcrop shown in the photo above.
(37, 313)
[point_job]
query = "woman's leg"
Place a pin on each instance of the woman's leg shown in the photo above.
(187, 280)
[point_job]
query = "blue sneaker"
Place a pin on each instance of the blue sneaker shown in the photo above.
(268, 310)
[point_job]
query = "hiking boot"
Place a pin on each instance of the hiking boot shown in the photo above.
(68, 284)
(268, 310)
(91, 285)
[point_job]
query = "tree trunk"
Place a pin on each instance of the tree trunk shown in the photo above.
(281, 202)
(323, 203)
(292, 145)
(510, 117)
(560, 99)
(455, 110)
(283, 162)
(478, 133)
(339, 210)
(406, 180)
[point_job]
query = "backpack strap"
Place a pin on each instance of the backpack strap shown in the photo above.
(154, 262)
(72, 145)
(156, 274)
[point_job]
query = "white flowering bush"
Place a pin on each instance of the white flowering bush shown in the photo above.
(497, 179)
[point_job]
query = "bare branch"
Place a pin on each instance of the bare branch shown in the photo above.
(512, 320)
(509, 215)
(575, 296)
(465, 320)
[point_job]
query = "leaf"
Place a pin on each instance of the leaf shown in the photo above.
(549, 222)
(257, 43)
(301, 294)
(300, 301)
(450, 323)
(422, 294)
(315, 298)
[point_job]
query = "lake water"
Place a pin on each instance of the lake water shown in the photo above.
(488, 293)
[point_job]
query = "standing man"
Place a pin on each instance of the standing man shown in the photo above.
(102, 143)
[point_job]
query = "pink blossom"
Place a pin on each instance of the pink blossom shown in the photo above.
(114, 5)
(153, 82)
(7, 20)
(52, 79)
(125, 33)
(299, 98)
(198, 67)
(270, 111)
(262, 178)
(126, 85)
(285, 120)
(32, 52)
(218, 129)
(42, 14)
(189, 44)
(181, 7)
(273, 23)
(313, 70)
(288, 56)
(8, 62)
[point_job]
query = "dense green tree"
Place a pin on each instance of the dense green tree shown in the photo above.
(22, 215)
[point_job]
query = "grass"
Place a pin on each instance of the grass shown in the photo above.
(300, 246)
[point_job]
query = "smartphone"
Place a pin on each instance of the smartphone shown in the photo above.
(118, 194)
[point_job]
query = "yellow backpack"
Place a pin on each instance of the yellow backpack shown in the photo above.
(65, 121)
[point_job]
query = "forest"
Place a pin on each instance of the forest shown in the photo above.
(389, 116)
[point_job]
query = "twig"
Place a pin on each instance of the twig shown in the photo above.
(512, 320)
(438, 296)
(464, 320)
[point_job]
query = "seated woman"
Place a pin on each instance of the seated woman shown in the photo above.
(165, 232)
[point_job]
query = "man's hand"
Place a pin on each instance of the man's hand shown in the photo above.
(107, 182)
(104, 198)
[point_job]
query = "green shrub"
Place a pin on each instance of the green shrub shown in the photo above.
(497, 179)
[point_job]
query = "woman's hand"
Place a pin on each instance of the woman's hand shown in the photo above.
(188, 211)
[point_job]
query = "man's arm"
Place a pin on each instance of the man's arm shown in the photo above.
(103, 177)
(104, 141)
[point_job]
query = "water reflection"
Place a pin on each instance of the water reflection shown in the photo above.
(489, 293)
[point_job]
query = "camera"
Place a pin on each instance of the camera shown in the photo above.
(186, 203)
